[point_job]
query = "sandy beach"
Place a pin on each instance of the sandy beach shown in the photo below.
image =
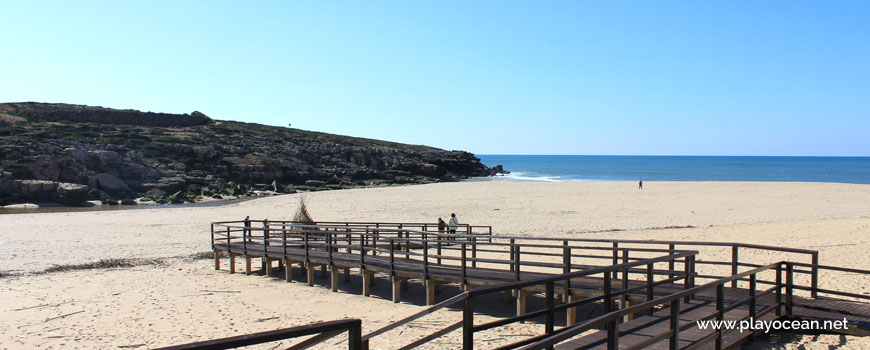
(181, 299)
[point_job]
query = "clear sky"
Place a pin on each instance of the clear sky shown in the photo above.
(490, 77)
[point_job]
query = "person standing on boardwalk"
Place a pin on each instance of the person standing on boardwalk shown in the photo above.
(453, 224)
(640, 184)
(247, 229)
(442, 226)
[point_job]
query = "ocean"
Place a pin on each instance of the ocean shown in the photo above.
(681, 168)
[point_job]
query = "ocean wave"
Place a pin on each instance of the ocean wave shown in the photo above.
(521, 176)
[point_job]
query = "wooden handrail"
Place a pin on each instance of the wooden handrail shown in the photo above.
(352, 326)
(669, 299)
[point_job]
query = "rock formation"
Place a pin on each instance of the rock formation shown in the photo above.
(70, 153)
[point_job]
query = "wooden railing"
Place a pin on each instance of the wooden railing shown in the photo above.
(610, 320)
(550, 284)
(465, 229)
(427, 249)
(516, 253)
(560, 283)
(865, 273)
(322, 331)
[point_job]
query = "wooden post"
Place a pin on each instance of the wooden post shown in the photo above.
(814, 281)
(309, 274)
(392, 259)
(247, 264)
(354, 338)
(426, 260)
(566, 269)
(347, 274)
(615, 257)
(367, 282)
(687, 279)
(305, 246)
(572, 311)
(650, 284)
(779, 290)
(752, 306)
(288, 270)
(284, 243)
(464, 263)
(735, 263)
(513, 263)
(267, 263)
(550, 320)
(674, 325)
(333, 278)
(232, 263)
(473, 250)
(608, 298)
(628, 304)
(397, 289)
(468, 324)
(438, 250)
(362, 251)
(517, 262)
(430, 291)
(521, 302)
(323, 272)
(624, 299)
(720, 312)
(217, 259)
(613, 334)
(789, 289)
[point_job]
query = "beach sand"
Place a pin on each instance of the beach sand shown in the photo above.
(182, 299)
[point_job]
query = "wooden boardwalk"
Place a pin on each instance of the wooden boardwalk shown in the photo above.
(641, 330)
(639, 283)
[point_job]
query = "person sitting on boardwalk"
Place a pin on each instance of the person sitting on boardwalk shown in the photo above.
(453, 224)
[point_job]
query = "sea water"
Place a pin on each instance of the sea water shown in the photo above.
(681, 168)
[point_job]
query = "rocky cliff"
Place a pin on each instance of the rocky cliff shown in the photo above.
(72, 153)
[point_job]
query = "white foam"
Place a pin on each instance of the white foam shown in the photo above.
(520, 176)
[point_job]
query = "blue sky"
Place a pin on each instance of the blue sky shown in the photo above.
(490, 77)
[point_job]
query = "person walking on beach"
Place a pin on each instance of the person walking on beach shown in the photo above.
(453, 224)
(640, 184)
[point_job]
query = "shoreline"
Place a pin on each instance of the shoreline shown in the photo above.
(95, 205)
(54, 207)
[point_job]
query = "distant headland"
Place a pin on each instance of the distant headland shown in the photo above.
(71, 154)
